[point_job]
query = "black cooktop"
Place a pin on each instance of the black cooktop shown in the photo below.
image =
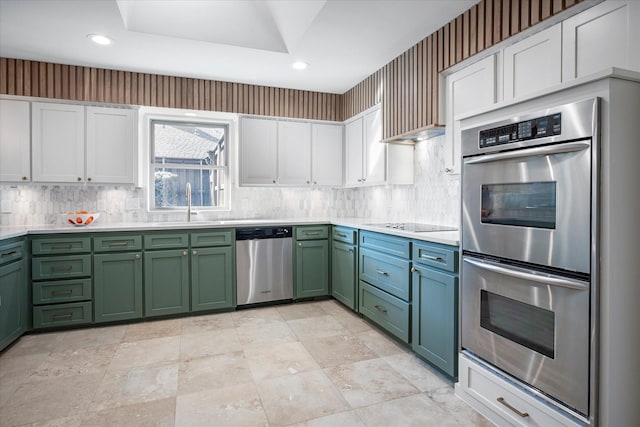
(414, 227)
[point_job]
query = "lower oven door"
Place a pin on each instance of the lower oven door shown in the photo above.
(531, 205)
(532, 325)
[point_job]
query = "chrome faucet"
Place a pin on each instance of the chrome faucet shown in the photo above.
(188, 191)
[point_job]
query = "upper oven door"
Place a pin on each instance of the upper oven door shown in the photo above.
(531, 205)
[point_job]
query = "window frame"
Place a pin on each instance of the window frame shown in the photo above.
(153, 119)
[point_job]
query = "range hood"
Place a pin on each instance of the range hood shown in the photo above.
(416, 135)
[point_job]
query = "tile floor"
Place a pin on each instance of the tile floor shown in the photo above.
(306, 364)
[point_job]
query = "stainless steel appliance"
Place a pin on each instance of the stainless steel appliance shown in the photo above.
(264, 270)
(527, 240)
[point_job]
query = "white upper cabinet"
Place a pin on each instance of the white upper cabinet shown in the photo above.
(375, 166)
(366, 156)
(258, 151)
(67, 146)
(533, 64)
(326, 154)
(15, 132)
(111, 148)
(606, 35)
(294, 153)
(57, 142)
(469, 89)
(354, 153)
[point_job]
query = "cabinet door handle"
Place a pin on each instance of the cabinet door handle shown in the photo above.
(185, 253)
(350, 250)
(61, 246)
(384, 273)
(194, 252)
(414, 270)
(505, 403)
(448, 170)
(8, 253)
(380, 309)
(65, 292)
(79, 179)
(62, 316)
(112, 244)
(89, 179)
(432, 258)
(137, 256)
(62, 268)
(24, 178)
(299, 245)
(308, 182)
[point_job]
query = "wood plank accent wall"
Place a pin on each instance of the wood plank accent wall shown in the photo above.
(408, 85)
(89, 84)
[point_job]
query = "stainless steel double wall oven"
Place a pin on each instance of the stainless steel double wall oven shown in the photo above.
(528, 240)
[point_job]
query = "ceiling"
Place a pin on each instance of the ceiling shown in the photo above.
(245, 41)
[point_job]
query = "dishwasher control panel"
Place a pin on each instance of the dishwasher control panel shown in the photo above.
(253, 233)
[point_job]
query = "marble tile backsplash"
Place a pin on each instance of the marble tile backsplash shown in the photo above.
(433, 199)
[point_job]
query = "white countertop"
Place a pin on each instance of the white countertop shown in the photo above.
(451, 238)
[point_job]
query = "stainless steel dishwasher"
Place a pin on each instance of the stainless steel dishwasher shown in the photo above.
(264, 269)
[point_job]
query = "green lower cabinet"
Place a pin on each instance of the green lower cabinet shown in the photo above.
(212, 284)
(312, 268)
(117, 286)
(13, 302)
(435, 317)
(166, 282)
(344, 273)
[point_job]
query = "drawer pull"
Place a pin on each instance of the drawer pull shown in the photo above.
(350, 250)
(380, 309)
(61, 246)
(112, 244)
(8, 253)
(384, 273)
(311, 233)
(432, 258)
(341, 235)
(62, 316)
(62, 268)
(504, 402)
(65, 292)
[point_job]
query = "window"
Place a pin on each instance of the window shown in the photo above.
(194, 153)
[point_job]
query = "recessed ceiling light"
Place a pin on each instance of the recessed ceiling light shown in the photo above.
(299, 65)
(99, 39)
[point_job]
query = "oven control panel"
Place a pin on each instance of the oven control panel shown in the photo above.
(540, 127)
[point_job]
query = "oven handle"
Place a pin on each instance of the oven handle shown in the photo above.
(567, 147)
(526, 274)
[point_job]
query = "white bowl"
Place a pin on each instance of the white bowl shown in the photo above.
(82, 217)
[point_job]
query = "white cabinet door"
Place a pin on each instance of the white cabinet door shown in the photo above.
(258, 151)
(294, 153)
(375, 160)
(326, 154)
(606, 35)
(354, 154)
(111, 145)
(534, 63)
(15, 131)
(57, 142)
(468, 89)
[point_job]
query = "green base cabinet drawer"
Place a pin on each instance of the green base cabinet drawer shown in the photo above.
(392, 245)
(211, 238)
(345, 235)
(117, 243)
(435, 318)
(166, 240)
(434, 255)
(48, 316)
(387, 272)
(11, 252)
(61, 291)
(312, 232)
(60, 267)
(60, 245)
(389, 312)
